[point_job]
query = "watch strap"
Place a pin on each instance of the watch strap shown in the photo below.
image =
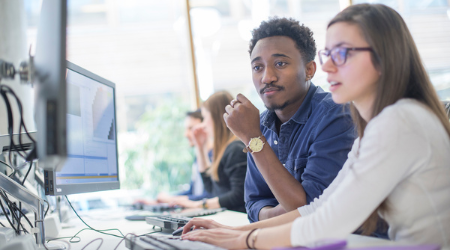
(247, 148)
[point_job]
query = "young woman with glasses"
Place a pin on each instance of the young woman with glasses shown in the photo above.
(399, 167)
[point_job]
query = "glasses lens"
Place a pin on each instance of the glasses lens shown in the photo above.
(323, 56)
(339, 55)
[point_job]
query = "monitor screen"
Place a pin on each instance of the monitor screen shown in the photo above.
(91, 163)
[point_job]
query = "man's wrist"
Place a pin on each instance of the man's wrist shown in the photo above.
(246, 139)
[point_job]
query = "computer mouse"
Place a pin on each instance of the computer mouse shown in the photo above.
(178, 231)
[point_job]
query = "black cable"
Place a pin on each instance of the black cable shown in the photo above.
(12, 213)
(28, 172)
(48, 207)
(20, 107)
(13, 173)
(7, 217)
(13, 208)
(6, 164)
(10, 121)
(20, 216)
(2, 224)
(4, 90)
(24, 216)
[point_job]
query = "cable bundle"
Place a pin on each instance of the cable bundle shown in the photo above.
(10, 209)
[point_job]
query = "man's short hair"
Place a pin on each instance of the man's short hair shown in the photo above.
(197, 114)
(302, 35)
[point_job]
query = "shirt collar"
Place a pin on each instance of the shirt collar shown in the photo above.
(302, 114)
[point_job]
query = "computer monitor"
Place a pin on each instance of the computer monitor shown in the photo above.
(49, 84)
(91, 163)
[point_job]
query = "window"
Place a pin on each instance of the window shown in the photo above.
(429, 24)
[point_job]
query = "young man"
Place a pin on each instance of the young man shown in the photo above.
(299, 144)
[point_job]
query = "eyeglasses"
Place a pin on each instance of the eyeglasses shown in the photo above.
(338, 54)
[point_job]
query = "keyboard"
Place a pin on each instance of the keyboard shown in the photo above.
(161, 208)
(184, 213)
(167, 222)
(201, 212)
(165, 242)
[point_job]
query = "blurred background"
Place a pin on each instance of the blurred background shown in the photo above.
(143, 47)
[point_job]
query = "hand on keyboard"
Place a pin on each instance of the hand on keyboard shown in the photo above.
(221, 237)
(197, 223)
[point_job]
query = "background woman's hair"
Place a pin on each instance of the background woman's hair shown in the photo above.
(396, 57)
(215, 104)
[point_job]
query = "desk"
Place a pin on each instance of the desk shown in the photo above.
(116, 219)
(111, 219)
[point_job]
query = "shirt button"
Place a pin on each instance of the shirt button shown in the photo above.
(276, 142)
(284, 165)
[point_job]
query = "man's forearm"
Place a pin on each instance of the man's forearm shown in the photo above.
(270, 212)
(287, 190)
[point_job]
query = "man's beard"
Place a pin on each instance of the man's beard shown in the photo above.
(274, 107)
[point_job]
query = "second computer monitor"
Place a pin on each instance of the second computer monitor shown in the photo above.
(91, 136)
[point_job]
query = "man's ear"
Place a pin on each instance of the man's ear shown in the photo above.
(310, 69)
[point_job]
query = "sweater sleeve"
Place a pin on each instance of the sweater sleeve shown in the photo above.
(207, 182)
(234, 167)
(389, 150)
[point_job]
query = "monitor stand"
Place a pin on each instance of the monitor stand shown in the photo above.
(36, 204)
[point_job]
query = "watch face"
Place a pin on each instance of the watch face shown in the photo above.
(256, 144)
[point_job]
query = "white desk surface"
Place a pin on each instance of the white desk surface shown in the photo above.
(107, 220)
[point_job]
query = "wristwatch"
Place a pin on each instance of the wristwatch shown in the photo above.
(256, 144)
(204, 203)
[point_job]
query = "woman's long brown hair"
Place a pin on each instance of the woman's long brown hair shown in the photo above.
(402, 72)
(216, 104)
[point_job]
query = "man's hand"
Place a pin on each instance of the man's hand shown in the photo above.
(242, 118)
(187, 203)
(167, 198)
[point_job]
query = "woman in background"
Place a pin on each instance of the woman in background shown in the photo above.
(399, 167)
(224, 176)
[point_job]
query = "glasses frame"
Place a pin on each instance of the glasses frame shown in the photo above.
(328, 53)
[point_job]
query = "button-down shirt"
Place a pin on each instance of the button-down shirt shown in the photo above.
(312, 145)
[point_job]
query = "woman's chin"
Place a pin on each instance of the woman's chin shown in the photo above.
(339, 99)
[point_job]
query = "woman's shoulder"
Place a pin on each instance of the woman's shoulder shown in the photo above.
(235, 145)
(405, 118)
(234, 156)
(405, 112)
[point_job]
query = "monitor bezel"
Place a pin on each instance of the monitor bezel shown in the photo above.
(51, 188)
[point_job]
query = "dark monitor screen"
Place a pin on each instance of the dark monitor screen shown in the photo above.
(91, 163)
(49, 83)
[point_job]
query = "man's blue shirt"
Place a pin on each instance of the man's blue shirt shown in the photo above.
(313, 146)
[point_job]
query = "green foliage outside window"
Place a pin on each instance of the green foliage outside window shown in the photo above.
(161, 159)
